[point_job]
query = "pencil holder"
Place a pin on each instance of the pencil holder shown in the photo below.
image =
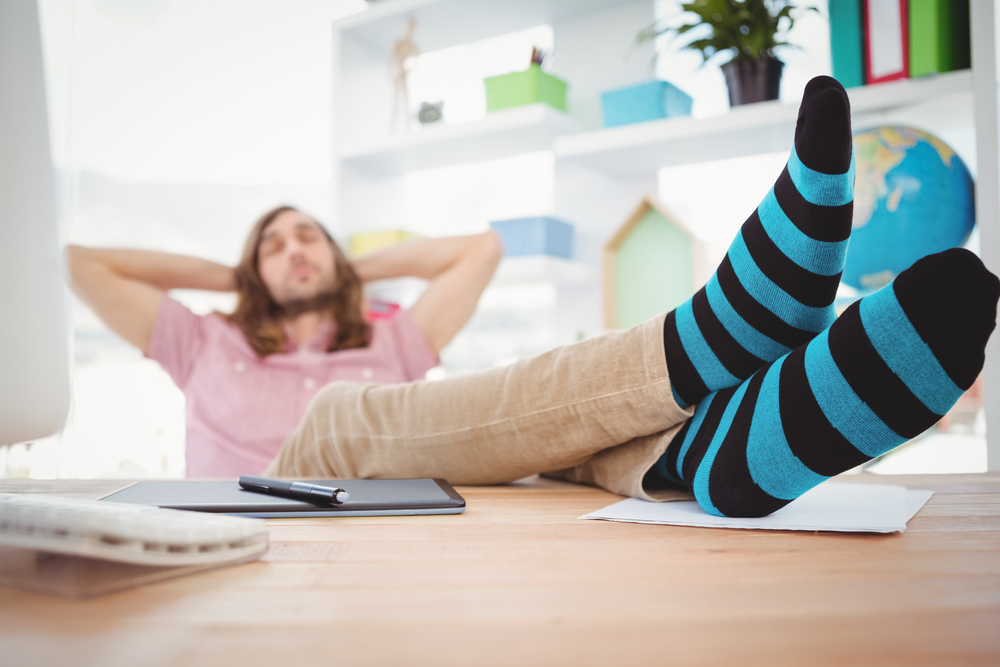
(527, 87)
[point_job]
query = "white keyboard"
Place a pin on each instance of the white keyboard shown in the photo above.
(137, 534)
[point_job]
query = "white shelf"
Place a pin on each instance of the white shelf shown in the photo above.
(944, 101)
(530, 270)
(445, 23)
(514, 131)
(541, 269)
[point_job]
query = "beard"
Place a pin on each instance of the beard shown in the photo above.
(299, 306)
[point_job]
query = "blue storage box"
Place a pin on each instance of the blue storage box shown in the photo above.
(535, 236)
(647, 101)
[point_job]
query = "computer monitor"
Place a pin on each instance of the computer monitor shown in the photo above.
(34, 338)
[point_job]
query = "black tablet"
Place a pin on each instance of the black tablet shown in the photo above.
(369, 497)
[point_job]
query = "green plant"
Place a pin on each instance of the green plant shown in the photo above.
(748, 29)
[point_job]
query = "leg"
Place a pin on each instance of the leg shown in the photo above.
(883, 373)
(774, 290)
(554, 411)
(626, 469)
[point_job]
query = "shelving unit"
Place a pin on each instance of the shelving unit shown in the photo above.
(944, 101)
(501, 134)
(371, 165)
(542, 269)
(600, 174)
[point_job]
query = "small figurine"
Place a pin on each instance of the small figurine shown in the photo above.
(402, 60)
(430, 112)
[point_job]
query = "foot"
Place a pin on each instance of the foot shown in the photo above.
(888, 369)
(775, 289)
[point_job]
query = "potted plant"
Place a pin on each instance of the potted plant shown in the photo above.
(747, 30)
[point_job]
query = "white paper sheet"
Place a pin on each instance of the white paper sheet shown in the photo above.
(864, 508)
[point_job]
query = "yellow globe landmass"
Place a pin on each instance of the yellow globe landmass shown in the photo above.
(910, 137)
(876, 153)
(879, 151)
(898, 137)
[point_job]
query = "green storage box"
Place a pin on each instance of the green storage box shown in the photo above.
(517, 88)
(939, 36)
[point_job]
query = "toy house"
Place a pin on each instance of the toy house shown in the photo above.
(652, 264)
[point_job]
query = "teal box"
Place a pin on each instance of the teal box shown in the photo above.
(647, 101)
(535, 236)
(847, 48)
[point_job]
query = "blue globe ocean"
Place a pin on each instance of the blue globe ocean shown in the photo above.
(913, 196)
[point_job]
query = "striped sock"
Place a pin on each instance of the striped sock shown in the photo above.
(886, 371)
(775, 288)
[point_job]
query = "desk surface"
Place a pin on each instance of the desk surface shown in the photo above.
(518, 580)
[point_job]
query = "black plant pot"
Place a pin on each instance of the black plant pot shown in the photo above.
(752, 81)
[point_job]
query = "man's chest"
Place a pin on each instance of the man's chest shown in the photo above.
(252, 399)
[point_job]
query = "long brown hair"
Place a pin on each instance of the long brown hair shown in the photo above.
(259, 316)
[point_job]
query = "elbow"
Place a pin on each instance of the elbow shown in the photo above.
(72, 257)
(492, 247)
(80, 267)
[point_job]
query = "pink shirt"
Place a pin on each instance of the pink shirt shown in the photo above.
(240, 407)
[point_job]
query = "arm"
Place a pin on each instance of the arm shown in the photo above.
(125, 287)
(458, 268)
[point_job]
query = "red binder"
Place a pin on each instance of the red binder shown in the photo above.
(887, 56)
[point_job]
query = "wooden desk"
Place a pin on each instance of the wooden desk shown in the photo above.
(518, 580)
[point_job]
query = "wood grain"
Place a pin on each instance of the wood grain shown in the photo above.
(519, 580)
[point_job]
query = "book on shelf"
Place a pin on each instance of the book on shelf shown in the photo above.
(886, 26)
(939, 36)
(847, 44)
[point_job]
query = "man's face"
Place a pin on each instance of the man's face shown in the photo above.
(295, 259)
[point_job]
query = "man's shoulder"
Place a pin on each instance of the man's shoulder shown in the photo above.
(214, 327)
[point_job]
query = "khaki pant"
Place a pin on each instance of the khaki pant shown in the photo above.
(598, 412)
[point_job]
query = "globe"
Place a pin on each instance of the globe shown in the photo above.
(913, 196)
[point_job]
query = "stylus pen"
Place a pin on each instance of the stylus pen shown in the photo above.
(313, 493)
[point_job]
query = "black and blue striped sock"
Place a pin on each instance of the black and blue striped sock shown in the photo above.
(883, 373)
(775, 288)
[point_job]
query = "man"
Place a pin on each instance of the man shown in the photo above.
(299, 324)
(747, 395)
